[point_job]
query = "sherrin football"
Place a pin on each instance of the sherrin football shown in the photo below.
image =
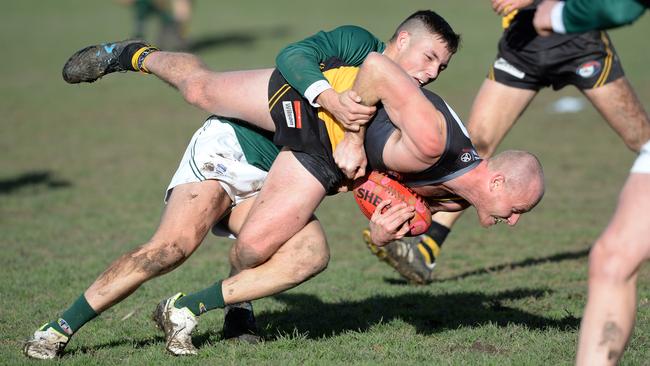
(371, 190)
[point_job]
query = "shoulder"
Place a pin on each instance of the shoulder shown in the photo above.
(354, 31)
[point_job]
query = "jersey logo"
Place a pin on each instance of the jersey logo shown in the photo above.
(469, 155)
(292, 113)
(588, 69)
(505, 66)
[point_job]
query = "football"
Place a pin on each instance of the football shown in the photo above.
(372, 189)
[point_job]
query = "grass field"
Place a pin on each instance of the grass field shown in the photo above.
(84, 168)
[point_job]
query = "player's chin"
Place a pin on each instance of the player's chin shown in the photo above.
(487, 221)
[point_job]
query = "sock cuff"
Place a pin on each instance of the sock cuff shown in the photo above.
(137, 60)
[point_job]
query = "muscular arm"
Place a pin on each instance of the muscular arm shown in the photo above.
(421, 136)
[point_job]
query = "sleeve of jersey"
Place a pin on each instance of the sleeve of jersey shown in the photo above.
(585, 15)
(300, 62)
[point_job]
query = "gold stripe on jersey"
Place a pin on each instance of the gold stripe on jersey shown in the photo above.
(491, 73)
(341, 79)
(278, 95)
(608, 62)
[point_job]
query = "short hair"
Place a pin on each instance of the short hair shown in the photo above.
(435, 24)
(521, 168)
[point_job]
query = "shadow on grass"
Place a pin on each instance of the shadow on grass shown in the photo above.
(142, 343)
(37, 178)
(236, 38)
(307, 314)
(528, 262)
(521, 264)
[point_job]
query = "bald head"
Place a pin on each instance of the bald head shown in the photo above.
(523, 174)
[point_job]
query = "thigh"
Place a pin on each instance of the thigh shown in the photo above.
(494, 111)
(285, 204)
(192, 209)
(619, 105)
(241, 94)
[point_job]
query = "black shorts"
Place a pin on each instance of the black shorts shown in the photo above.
(586, 61)
(298, 128)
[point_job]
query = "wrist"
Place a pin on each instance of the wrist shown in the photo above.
(557, 21)
(315, 91)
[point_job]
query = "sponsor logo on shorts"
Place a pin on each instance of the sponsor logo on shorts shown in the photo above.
(466, 158)
(65, 326)
(588, 69)
(220, 169)
(505, 66)
(289, 116)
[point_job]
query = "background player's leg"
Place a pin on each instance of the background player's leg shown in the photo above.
(613, 266)
(620, 107)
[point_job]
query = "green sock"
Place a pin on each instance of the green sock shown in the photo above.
(202, 301)
(78, 314)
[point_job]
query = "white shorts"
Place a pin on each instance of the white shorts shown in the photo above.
(214, 153)
(642, 162)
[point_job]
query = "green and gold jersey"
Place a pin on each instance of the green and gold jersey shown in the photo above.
(299, 63)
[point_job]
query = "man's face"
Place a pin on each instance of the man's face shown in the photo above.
(422, 55)
(503, 205)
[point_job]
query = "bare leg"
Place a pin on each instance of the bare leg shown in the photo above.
(489, 121)
(619, 105)
(190, 213)
(305, 255)
(284, 206)
(613, 267)
(235, 94)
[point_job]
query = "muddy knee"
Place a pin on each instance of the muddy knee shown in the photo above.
(309, 259)
(160, 256)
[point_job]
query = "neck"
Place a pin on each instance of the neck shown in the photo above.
(471, 184)
(390, 51)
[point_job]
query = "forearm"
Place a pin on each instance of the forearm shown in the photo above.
(300, 62)
(578, 16)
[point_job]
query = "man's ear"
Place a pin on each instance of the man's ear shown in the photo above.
(403, 39)
(497, 182)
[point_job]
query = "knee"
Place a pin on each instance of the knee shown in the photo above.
(310, 259)
(161, 256)
(609, 261)
(251, 251)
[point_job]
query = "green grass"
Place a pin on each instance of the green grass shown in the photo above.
(84, 169)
